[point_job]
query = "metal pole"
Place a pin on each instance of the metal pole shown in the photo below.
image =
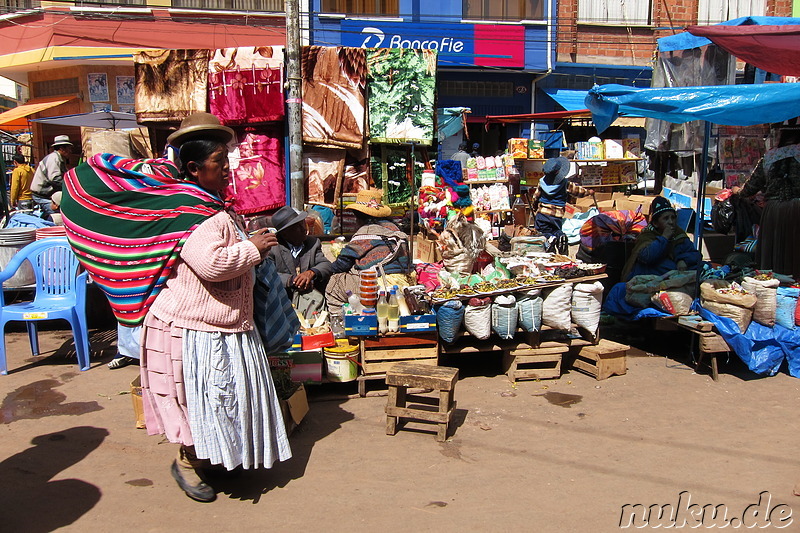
(294, 105)
(701, 191)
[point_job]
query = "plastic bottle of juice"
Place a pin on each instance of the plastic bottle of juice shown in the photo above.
(382, 310)
(394, 312)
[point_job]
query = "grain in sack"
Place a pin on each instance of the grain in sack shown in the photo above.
(786, 306)
(557, 307)
(767, 299)
(449, 317)
(587, 299)
(529, 310)
(478, 317)
(504, 316)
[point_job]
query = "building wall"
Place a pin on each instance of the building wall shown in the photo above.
(632, 45)
(44, 134)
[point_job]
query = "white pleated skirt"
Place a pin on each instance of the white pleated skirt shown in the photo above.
(234, 413)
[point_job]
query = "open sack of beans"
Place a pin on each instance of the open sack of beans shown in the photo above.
(765, 287)
(729, 300)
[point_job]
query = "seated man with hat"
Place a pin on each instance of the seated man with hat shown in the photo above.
(298, 258)
(49, 175)
(551, 199)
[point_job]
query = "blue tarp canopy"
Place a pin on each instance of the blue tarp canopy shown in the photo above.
(729, 105)
(685, 40)
(569, 99)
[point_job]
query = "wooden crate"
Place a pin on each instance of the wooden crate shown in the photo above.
(605, 359)
(543, 362)
(378, 355)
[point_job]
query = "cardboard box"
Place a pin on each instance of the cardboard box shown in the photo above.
(138, 406)
(314, 342)
(361, 325)
(417, 323)
(601, 196)
(426, 250)
(518, 148)
(295, 409)
(303, 367)
(569, 211)
(613, 149)
(631, 148)
(605, 205)
(628, 205)
(535, 149)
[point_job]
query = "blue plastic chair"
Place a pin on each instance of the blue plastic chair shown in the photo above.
(60, 294)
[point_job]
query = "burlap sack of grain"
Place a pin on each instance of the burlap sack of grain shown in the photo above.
(766, 292)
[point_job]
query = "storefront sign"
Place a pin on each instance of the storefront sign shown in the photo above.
(458, 44)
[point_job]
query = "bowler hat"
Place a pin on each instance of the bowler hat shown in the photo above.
(287, 216)
(61, 140)
(556, 168)
(198, 126)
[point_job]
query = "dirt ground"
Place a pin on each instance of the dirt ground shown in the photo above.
(557, 455)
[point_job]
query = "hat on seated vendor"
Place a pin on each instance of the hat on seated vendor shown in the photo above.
(662, 246)
(368, 202)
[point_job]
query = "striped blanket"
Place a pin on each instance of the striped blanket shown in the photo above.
(127, 221)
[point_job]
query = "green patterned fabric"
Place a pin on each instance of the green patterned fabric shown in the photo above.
(401, 84)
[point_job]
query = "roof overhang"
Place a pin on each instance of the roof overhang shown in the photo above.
(53, 38)
(16, 118)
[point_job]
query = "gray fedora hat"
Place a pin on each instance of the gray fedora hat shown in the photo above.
(287, 216)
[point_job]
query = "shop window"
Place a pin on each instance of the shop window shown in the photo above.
(10, 6)
(488, 89)
(630, 13)
(714, 11)
(270, 6)
(362, 7)
(55, 87)
(504, 9)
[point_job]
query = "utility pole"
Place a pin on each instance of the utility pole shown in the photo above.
(294, 102)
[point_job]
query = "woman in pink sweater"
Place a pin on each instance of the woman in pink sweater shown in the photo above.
(205, 377)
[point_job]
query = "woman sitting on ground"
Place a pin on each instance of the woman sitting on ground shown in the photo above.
(662, 246)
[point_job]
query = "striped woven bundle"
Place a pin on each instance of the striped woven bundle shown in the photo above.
(127, 220)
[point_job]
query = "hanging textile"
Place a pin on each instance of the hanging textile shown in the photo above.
(257, 171)
(245, 85)
(402, 83)
(127, 220)
(356, 171)
(451, 120)
(170, 84)
(333, 96)
(323, 169)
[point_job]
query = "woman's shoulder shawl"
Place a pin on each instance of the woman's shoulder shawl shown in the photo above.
(127, 220)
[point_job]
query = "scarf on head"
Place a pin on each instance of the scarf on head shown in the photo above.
(127, 221)
(645, 239)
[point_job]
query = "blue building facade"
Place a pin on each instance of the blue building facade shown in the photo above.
(491, 55)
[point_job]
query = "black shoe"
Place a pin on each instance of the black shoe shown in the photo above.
(200, 492)
(562, 245)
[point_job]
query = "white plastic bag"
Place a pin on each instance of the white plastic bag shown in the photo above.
(478, 317)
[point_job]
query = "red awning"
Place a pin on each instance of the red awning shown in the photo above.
(43, 30)
(774, 49)
(533, 117)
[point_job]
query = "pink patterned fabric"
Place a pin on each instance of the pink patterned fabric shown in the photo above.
(257, 172)
(245, 85)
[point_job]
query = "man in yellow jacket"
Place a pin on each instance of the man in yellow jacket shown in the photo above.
(21, 177)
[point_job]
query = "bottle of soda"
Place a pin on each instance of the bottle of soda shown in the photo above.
(382, 310)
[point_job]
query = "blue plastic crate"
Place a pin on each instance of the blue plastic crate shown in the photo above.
(417, 323)
(361, 325)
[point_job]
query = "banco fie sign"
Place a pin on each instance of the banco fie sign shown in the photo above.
(375, 39)
(457, 44)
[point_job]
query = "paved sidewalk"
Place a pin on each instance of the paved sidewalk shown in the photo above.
(558, 455)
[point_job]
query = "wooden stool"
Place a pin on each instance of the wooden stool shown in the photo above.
(602, 360)
(440, 379)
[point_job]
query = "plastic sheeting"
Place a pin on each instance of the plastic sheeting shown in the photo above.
(730, 105)
(685, 40)
(450, 120)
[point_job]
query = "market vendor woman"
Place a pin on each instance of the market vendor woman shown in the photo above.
(662, 246)
(778, 176)
(377, 243)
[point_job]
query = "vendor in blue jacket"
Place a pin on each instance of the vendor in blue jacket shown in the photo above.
(662, 246)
